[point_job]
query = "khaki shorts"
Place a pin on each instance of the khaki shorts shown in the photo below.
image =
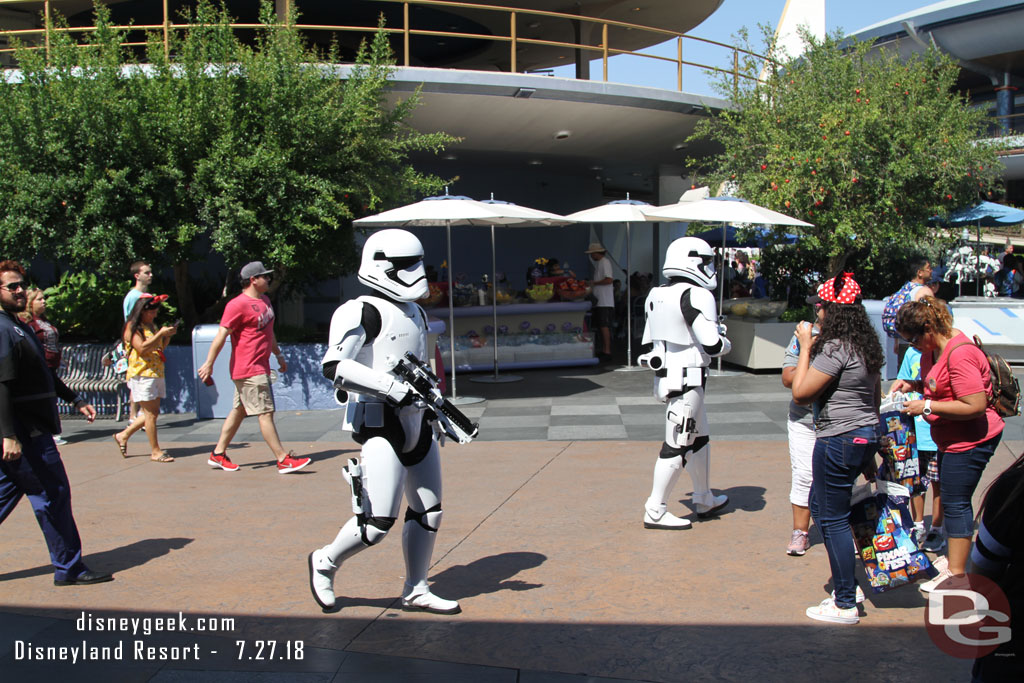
(254, 395)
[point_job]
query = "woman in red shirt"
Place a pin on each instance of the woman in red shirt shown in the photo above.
(956, 388)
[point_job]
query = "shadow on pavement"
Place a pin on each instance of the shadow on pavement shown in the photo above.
(116, 560)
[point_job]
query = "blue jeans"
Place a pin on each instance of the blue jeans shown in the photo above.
(39, 474)
(836, 463)
(958, 478)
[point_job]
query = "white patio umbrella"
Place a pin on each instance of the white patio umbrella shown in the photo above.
(446, 210)
(620, 211)
(696, 205)
(524, 217)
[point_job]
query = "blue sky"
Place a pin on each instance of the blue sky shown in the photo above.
(849, 15)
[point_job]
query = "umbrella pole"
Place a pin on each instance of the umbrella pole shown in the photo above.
(629, 302)
(451, 307)
(494, 301)
(721, 290)
(495, 378)
(629, 308)
(977, 262)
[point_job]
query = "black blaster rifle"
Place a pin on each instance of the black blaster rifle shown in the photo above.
(423, 381)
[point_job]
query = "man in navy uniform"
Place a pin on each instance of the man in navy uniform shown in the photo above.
(31, 465)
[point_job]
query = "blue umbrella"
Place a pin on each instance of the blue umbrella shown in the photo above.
(986, 214)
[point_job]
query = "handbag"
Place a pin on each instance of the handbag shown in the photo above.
(883, 534)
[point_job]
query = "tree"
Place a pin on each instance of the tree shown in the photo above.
(852, 139)
(249, 151)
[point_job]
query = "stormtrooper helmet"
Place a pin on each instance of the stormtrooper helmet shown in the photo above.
(691, 259)
(393, 265)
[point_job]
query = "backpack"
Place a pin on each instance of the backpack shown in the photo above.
(891, 307)
(1005, 396)
(119, 359)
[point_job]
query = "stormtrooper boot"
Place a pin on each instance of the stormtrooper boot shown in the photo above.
(419, 598)
(321, 578)
(656, 514)
(418, 546)
(658, 517)
(706, 503)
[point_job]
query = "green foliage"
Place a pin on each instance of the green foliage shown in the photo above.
(794, 271)
(864, 146)
(250, 151)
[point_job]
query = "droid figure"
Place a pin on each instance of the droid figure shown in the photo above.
(369, 337)
(682, 326)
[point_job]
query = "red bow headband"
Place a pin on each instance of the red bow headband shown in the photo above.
(849, 290)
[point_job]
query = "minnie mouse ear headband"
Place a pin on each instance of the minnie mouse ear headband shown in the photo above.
(153, 299)
(842, 289)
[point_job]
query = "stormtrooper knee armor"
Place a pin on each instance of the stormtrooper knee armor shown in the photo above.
(683, 330)
(368, 336)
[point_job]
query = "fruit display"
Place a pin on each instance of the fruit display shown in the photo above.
(435, 296)
(540, 293)
(504, 297)
(571, 289)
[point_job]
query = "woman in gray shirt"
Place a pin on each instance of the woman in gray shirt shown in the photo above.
(840, 371)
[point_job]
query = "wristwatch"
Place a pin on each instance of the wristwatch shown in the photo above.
(927, 407)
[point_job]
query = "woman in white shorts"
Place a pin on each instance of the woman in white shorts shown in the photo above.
(145, 344)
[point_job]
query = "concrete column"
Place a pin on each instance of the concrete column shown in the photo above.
(1004, 103)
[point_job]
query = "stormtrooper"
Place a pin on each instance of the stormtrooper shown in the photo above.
(682, 327)
(399, 449)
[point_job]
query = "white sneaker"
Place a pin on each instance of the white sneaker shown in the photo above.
(827, 611)
(704, 511)
(860, 595)
(663, 519)
(428, 602)
(929, 586)
(321, 578)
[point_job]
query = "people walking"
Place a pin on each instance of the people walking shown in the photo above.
(249, 320)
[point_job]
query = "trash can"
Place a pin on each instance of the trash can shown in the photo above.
(212, 401)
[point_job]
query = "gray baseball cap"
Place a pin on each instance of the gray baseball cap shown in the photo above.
(253, 269)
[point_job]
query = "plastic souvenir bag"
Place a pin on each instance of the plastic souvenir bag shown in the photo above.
(898, 444)
(883, 534)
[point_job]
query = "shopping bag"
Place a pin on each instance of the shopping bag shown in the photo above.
(898, 444)
(883, 534)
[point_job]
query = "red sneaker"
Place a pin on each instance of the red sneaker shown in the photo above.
(292, 464)
(222, 461)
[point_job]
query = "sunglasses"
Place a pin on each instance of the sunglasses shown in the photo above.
(269, 277)
(15, 286)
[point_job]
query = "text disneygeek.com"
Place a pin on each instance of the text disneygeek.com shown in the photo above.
(137, 648)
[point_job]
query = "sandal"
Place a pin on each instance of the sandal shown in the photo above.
(123, 447)
(163, 457)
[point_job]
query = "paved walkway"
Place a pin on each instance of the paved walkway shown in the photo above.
(542, 544)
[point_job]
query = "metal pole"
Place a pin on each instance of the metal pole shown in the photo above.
(513, 41)
(721, 290)
(46, 7)
(977, 263)
(494, 301)
(405, 37)
(629, 303)
(679, 66)
(451, 307)
(604, 51)
(167, 36)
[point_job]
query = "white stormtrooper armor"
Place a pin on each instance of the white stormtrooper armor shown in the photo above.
(368, 336)
(682, 328)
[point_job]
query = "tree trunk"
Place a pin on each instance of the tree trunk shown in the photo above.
(836, 264)
(183, 287)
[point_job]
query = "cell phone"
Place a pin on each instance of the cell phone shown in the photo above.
(178, 322)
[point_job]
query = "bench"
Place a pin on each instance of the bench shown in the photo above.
(83, 371)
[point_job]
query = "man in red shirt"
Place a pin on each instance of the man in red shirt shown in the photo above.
(249, 319)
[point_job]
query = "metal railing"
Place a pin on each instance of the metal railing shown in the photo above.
(513, 39)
